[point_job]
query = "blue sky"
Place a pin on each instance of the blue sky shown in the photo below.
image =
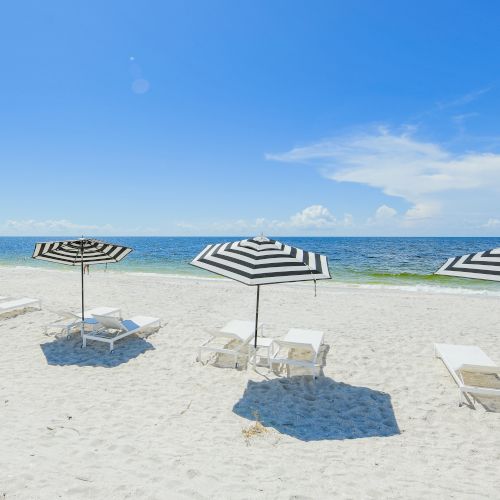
(232, 117)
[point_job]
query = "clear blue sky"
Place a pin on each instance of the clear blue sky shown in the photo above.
(236, 117)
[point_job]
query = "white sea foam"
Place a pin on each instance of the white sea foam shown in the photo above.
(432, 289)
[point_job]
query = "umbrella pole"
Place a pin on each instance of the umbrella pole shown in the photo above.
(83, 303)
(257, 317)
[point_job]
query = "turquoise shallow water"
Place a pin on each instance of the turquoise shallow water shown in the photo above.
(375, 261)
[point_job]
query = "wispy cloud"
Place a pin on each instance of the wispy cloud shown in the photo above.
(465, 98)
(52, 227)
(492, 223)
(185, 225)
(460, 121)
(448, 106)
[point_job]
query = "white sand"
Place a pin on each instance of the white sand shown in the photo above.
(149, 422)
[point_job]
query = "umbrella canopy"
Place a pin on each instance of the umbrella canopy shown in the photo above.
(480, 265)
(262, 261)
(80, 252)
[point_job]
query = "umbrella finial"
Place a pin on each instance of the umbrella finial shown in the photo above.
(261, 237)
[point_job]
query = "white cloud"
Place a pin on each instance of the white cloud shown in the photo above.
(315, 218)
(425, 210)
(383, 216)
(384, 212)
(492, 223)
(400, 165)
(52, 227)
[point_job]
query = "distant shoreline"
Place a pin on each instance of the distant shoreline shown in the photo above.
(408, 262)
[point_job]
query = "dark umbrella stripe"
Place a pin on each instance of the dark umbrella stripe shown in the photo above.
(260, 261)
(263, 277)
(284, 262)
(278, 251)
(480, 265)
(288, 256)
(264, 254)
(70, 252)
(257, 263)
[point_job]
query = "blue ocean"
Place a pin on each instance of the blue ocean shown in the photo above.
(355, 260)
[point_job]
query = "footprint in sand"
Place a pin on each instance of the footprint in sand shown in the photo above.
(192, 473)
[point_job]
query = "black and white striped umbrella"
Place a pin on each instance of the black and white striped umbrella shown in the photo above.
(480, 265)
(262, 261)
(80, 252)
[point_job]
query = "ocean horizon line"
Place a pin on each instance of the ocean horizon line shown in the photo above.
(66, 236)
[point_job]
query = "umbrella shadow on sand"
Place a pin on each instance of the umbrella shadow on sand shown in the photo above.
(322, 409)
(63, 352)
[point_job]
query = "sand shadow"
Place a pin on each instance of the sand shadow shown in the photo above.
(322, 409)
(63, 352)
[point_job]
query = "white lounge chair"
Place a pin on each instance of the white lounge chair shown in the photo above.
(236, 331)
(467, 361)
(113, 329)
(308, 340)
(19, 304)
(69, 322)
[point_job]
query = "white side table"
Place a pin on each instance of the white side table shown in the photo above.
(262, 351)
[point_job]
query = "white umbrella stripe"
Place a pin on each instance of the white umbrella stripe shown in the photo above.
(480, 265)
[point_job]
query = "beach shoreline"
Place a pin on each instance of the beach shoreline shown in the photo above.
(418, 288)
